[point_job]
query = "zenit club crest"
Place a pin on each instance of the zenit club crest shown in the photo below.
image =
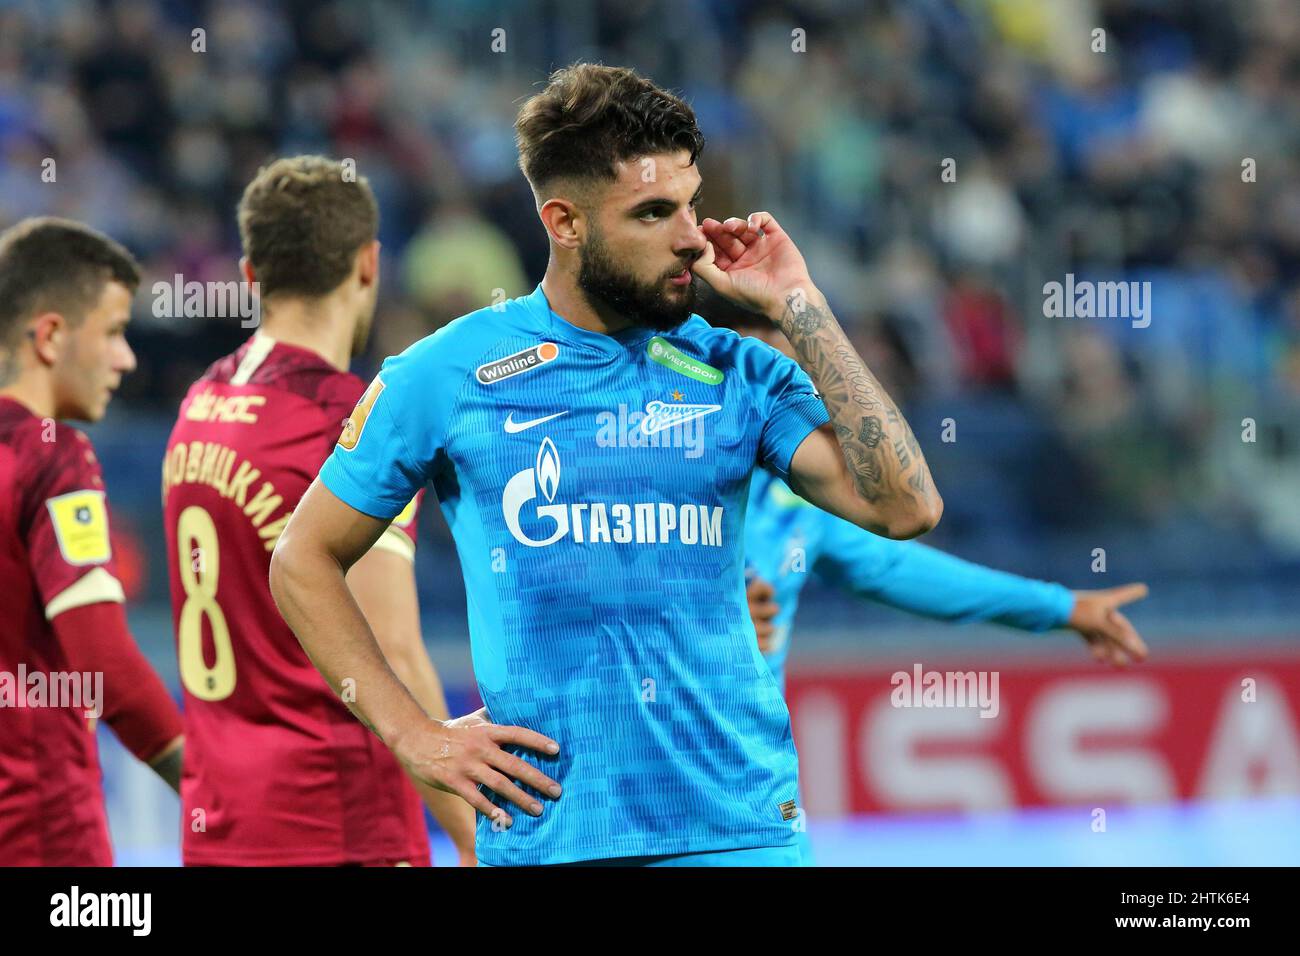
(661, 415)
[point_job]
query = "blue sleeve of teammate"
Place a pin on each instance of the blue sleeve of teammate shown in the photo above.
(386, 452)
(786, 399)
(915, 577)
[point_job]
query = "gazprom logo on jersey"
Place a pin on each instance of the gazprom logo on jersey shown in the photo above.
(661, 425)
(525, 361)
(599, 522)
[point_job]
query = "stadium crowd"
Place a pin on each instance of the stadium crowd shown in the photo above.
(935, 196)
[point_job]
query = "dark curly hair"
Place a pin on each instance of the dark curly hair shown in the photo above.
(590, 117)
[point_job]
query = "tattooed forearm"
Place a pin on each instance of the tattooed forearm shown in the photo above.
(870, 432)
(900, 449)
(879, 448)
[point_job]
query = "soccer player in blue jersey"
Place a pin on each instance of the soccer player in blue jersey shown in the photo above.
(787, 540)
(591, 446)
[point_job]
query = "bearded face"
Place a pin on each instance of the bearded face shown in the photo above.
(653, 302)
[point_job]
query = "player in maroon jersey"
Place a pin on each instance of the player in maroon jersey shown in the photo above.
(66, 656)
(277, 769)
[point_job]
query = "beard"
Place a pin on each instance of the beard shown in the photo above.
(643, 304)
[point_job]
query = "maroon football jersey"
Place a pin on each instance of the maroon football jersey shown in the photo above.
(277, 770)
(54, 556)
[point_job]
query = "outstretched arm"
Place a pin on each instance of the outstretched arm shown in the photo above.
(915, 577)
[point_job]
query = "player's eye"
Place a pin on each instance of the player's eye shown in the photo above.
(656, 213)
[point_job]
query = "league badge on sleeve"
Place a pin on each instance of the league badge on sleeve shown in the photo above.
(80, 520)
(356, 422)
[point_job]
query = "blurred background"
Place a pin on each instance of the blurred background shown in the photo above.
(1162, 149)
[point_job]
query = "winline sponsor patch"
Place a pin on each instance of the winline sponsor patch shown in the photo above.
(525, 361)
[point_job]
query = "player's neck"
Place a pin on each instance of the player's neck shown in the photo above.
(31, 392)
(571, 304)
(320, 326)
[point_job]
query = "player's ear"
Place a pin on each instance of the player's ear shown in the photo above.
(48, 333)
(246, 270)
(563, 222)
(368, 263)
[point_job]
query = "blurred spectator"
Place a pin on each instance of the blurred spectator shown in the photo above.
(1166, 154)
(460, 262)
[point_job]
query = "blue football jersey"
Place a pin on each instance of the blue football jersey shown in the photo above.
(788, 540)
(596, 487)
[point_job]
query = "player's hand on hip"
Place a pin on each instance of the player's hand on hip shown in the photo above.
(1097, 618)
(753, 263)
(762, 609)
(458, 755)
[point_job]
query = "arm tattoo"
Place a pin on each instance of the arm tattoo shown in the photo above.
(806, 321)
(871, 431)
(900, 449)
(882, 455)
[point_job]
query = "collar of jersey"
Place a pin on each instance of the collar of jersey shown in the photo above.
(557, 326)
(21, 406)
(310, 356)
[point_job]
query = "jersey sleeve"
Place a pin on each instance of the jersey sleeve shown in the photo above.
(96, 639)
(67, 529)
(915, 577)
(786, 400)
(387, 448)
(400, 536)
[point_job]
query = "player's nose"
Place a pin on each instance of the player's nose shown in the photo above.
(124, 360)
(690, 240)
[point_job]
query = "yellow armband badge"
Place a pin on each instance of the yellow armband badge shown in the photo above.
(405, 515)
(394, 538)
(80, 520)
